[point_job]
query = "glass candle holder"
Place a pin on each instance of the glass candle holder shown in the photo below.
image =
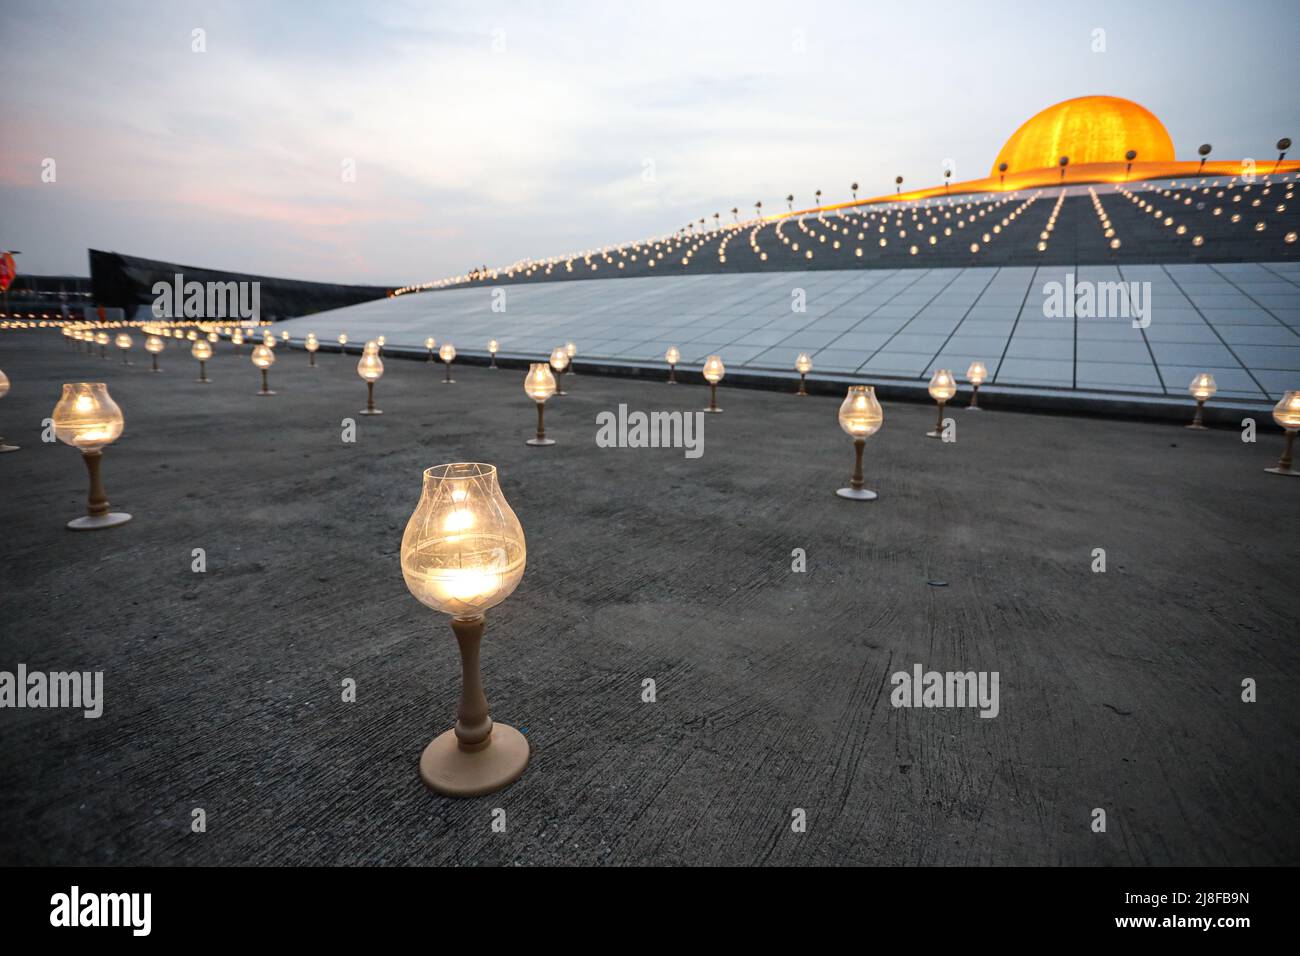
(1202, 388)
(448, 355)
(263, 358)
(672, 357)
(493, 348)
(123, 343)
(87, 418)
(942, 387)
(371, 369)
(977, 375)
(803, 365)
(1287, 414)
(4, 390)
(714, 370)
(154, 345)
(463, 553)
(202, 351)
(429, 345)
(539, 385)
(860, 417)
(559, 362)
(312, 344)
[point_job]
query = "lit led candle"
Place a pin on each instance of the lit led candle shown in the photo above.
(154, 345)
(264, 357)
(976, 375)
(672, 357)
(559, 362)
(202, 351)
(371, 369)
(463, 552)
(493, 347)
(1287, 414)
(860, 417)
(311, 345)
(4, 390)
(87, 418)
(429, 345)
(539, 385)
(448, 355)
(714, 370)
(942, 387)
(1202, 389)
(803, 365)
(123, 342)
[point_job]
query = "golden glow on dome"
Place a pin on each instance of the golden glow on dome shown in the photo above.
(1088, 129)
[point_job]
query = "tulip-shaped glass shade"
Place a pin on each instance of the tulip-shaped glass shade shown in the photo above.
(237, 337)
(539, 383)
(268, 339)
(86, 417)
(1287, 412)
(559, 358)
(463, 551)
(263, 357)
(714, 369)
(213, 337)
(570, 349)
(201, 350)
(429, 343)
(312, 343)
(860, 414)
(672, 356)
(448, 352)
(493, 347)
(942, 385)
(803, 364)
(1203, 387)
(101, 338)
(382, 341)
(977, 373)
(371, 366)
(123, 341)
(192, 335)
(154, 344)
(343, 340)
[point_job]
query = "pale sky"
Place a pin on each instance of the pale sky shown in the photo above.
(483, 132)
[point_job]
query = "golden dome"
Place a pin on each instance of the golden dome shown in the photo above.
(1088, 129)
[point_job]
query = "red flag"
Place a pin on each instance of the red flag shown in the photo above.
(8, 271)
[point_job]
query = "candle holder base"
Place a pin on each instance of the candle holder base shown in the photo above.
(266, 393)
(973, 408)
(540, 442)
(371, 411)
(857, 494)
(1289, 472)
(1196, 428)
(934, 434)
(454, 772)
(4, 448)
(95, 522)
(713, 411)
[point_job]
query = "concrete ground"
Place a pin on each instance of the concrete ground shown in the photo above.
(1118, 690)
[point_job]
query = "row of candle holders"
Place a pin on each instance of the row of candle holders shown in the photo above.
(463, 549)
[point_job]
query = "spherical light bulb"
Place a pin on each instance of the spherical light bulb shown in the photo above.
(559, 358)
(263, 357)
(1286, 412)
(977, 373)
(714, 369)
(86, 416)
(539, 383)
(942, 385)
(860, 413)
(803, 364)
(463, 551)
(371, 366)
(448, 352)
(1202, 386)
